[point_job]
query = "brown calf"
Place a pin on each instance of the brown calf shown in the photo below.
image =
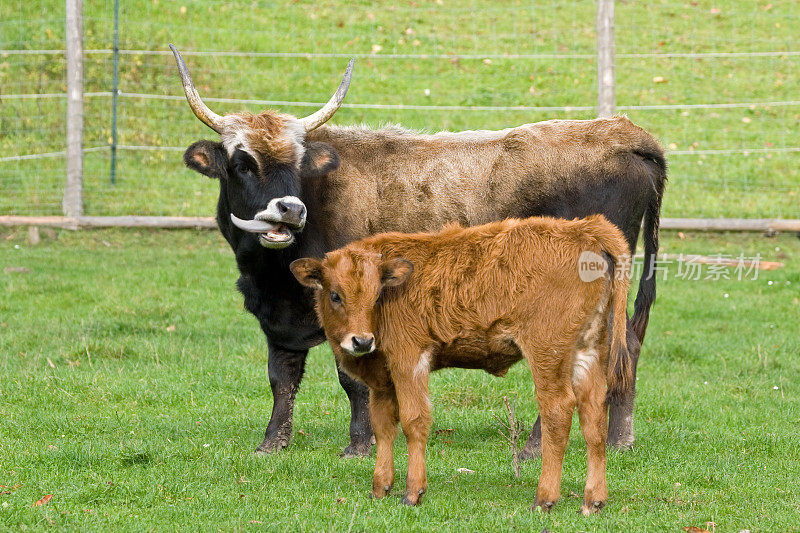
(397, 306)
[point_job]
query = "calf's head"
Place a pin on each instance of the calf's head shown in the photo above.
(348, 285)
(259, 162)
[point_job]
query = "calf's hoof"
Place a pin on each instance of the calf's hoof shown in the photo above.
(272, 445)
(590, 508)
(544, 506)
(357, 449)
(379, 491)
(412, 499)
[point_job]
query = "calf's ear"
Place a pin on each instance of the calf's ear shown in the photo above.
(308, 272)
(318, 160)
(395, 272)
(207, 158)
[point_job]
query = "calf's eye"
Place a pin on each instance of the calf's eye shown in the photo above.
(335, 298)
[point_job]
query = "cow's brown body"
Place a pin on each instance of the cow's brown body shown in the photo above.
(482, 297)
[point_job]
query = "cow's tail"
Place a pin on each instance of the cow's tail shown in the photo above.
(647, 285)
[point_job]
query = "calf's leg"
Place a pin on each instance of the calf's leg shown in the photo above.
(285, 369)
(556, 405)
(620, 420)
(415, 417)
(590, 392)
(384, 413)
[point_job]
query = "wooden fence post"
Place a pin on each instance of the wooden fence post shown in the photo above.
(606, 100)
(73, 191)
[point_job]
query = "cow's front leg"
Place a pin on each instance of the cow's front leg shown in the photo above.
(360, 428)
(285, 369)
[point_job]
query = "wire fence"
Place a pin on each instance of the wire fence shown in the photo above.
(717, 83)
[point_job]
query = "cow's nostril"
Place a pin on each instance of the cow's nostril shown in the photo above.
(282, 207)
(362, 344)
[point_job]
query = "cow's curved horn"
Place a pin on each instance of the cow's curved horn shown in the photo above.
(201, 110)
(320, 117)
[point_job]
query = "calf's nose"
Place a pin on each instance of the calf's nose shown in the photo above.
(363, 343)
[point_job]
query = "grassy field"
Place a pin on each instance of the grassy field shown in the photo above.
(458, 59)
(133, 390)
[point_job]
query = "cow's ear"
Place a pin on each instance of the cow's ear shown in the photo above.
(395, 272)
(308, 272)
(207, 158)
(319, 159)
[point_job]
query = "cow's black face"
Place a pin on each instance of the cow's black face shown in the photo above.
(263, 200)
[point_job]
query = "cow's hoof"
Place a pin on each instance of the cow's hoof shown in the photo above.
(356, 450)
(595, 507)
(544, 507)
(621, 444)
(271, 446)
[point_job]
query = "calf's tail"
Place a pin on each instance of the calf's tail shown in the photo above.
(619, 373)
(620, 367)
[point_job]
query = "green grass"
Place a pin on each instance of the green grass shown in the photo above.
(155, 182)
(133, 389)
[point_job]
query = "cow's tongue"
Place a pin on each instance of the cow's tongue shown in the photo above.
(278, 233)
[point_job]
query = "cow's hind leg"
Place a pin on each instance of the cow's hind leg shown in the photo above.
(285, 369)
(533, 446)
(589, 385)
(620, 420)
(360, 428)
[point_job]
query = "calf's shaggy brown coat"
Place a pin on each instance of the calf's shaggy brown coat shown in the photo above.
(397, 306)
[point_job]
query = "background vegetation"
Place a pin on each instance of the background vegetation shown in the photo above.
(736, 161)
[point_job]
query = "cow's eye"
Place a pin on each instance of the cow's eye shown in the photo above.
(335, 298)
(242, 168)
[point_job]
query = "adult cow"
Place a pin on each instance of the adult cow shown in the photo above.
(292, 187)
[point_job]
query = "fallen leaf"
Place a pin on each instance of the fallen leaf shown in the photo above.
(695, 529)
(341, 500)
(746, 120)
(16, 270)
(659, 79)
(465, 471)
(50, 362)
(681, 235)
(171, 328)
(46, 498)
(715, 11)
(255, 522)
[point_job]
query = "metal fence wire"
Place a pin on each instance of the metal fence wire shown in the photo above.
(716, 82)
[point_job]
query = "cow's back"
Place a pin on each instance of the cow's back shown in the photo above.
(399, 180)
